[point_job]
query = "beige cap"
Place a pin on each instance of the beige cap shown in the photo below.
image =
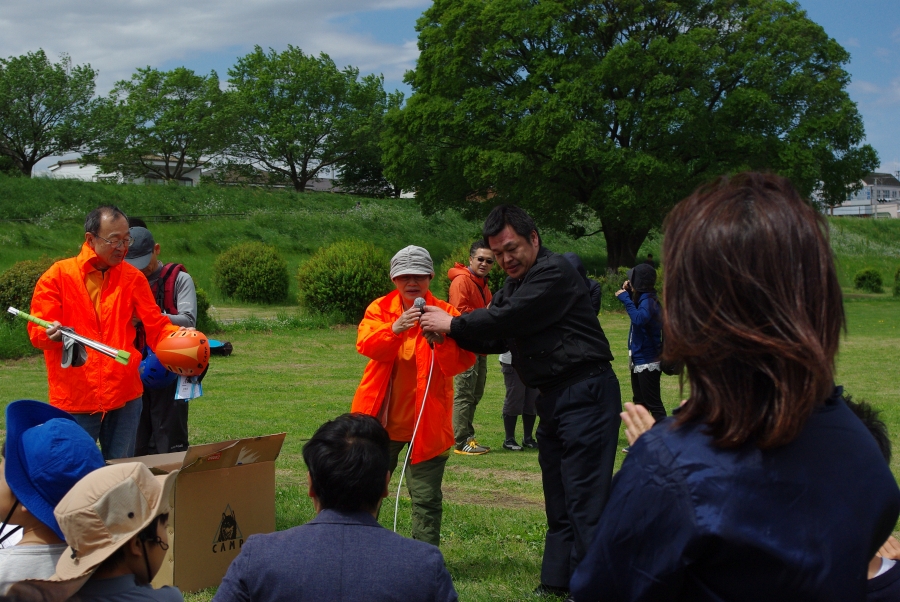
(411, 260)
(100, 513)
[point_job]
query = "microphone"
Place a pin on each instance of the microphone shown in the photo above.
(420, 304)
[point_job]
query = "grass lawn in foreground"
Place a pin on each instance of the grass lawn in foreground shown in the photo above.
(493, 529)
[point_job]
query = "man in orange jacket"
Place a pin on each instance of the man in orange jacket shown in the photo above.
(469, 291)
(98, 295)
(403, 363)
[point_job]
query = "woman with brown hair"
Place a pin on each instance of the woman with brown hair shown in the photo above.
(764, 486)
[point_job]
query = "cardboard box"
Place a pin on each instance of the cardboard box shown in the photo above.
(224, 493)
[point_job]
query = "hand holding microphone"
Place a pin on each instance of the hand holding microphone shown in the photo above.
(431, 337)
(407, 320)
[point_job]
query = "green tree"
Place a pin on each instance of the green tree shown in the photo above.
(159, 123)
(362, 172)
(613, 111)
(43, 106)
(298, 116)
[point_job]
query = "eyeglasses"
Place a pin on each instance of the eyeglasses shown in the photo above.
(484, 260)
(117, 244)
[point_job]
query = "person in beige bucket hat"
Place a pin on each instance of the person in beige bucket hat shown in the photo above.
(114, 520)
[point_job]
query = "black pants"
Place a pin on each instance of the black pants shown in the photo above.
(645, 387)
(578, 437)
(163, 426)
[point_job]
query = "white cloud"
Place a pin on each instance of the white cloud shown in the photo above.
(115, 37)
(870, 93)
(852, 42)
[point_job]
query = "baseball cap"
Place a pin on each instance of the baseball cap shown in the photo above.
(47, 452)
(141, 249)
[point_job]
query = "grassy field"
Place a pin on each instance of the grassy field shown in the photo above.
(292, 380)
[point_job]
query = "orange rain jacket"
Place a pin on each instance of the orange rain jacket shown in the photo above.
(101, 384)
(377, 341)
(468, 292)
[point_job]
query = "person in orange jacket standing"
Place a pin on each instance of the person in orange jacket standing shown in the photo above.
(469, 291)
(402, 361)
(98, 295)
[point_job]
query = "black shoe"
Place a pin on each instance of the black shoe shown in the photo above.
(529, 443)
(511, 445)
(550, 591)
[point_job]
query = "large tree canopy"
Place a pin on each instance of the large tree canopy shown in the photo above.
(615, 110)
(42, 107)
(159, 123)
(299, 116)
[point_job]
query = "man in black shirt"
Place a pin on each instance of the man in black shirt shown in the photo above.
(543, 315)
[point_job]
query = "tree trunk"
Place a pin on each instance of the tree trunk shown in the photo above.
(622, 244)
(26, 169)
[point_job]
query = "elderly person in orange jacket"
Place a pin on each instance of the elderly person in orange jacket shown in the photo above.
(402, 360)
(98, 295)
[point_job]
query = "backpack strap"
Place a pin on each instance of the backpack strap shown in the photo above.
(164, 288)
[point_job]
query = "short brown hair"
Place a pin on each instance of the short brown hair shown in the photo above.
(752, 306)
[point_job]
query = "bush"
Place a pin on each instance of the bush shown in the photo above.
(343, 279)
(252, 272)
(868, 279)
(14, 341)
(17, 284)
(205, 323)
(897, 283)
(440, 286)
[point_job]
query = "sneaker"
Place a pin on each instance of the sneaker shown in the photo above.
(471, 448)
(529, 443)
(511, 445)
(626, 449)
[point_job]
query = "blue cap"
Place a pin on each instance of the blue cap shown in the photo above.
(47, 452)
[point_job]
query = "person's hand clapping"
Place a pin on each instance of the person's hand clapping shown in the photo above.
(436, 320)
(407, 320)
(637, 421)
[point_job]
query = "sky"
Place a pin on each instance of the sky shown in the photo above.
(377, 36)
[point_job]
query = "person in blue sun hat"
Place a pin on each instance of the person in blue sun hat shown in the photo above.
(46, 452)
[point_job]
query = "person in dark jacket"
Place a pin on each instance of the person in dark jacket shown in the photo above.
(594, 289)
(343, 553)
(638, 295)
(544, 318)
(764, 486)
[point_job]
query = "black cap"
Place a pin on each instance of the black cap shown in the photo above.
(141, 249)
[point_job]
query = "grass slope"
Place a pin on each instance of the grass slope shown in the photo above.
(293, 380)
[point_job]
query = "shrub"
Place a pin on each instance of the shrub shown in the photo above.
(344, 278)
(868, 279)
(897, 283)
(440, 286)
(14, 341)
(205, 323)
(252, 272)
(17, 284)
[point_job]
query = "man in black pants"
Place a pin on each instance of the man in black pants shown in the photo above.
(543, 316)
(163, 427)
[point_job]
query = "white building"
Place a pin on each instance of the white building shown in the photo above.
(73, 169)
(878, 197)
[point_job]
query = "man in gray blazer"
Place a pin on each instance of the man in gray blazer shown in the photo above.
(343, 554)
